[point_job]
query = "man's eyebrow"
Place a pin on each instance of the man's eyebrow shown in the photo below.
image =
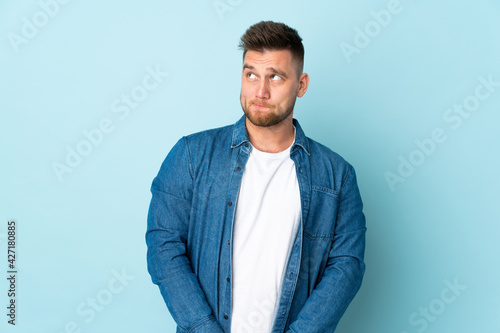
(269, 69)
(277, 71)
(245, 66)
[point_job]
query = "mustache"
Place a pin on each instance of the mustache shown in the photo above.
(260, 103)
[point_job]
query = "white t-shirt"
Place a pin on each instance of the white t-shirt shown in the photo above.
(268, 214)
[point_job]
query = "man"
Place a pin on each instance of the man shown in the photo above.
(254, 227)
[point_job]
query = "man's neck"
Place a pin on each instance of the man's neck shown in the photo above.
(272, 139)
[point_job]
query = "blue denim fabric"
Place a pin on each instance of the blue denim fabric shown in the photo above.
(190, 223)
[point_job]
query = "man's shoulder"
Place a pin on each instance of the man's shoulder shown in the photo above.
(210, 138)
(326, 161)
(320, 151)
(211, 132)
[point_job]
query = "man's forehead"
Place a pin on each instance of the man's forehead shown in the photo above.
(268, 58)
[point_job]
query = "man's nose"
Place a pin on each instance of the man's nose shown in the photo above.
(263, 90)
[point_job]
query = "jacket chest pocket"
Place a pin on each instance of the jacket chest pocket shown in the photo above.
(320, 224)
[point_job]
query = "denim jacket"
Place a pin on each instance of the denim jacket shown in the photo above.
(190, 227)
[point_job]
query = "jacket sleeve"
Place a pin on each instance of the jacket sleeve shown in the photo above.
(166, 237)
(344, 268)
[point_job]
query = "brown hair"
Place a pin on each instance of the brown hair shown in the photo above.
(269, 35)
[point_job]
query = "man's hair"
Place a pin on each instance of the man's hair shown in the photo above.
(269, 35)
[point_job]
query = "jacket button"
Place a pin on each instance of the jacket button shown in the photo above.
(228, 279)
(238, 169)
(225, 317)
(230, 203)
(246, 145)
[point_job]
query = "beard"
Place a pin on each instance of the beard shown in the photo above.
(266, 118)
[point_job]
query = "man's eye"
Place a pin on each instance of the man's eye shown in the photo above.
(275, 77)
(251, 76)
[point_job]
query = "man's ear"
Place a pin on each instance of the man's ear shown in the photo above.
(303, 84)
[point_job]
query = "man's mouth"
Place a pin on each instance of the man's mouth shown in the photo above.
(260, 106)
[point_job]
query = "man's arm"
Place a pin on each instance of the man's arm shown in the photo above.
(166, 237)
(344, 269)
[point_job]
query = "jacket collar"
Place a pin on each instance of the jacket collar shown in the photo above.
(240, 135)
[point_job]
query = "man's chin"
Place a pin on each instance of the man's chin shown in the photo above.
(262, 120)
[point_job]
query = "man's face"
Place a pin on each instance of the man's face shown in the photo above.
(269, 86)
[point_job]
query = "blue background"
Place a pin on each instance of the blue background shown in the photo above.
(76, 232)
